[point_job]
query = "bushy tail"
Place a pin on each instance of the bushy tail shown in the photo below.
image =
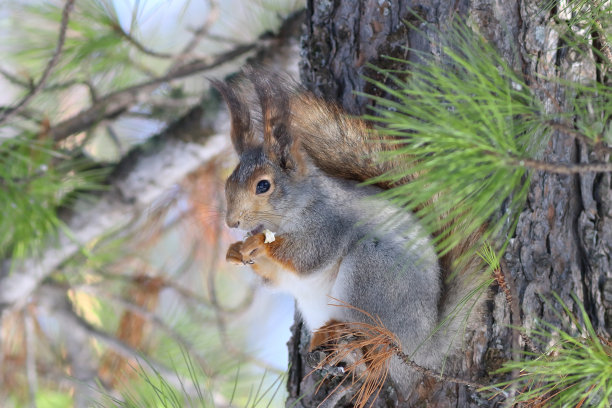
(341, 145)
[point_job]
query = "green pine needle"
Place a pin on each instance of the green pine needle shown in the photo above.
(578, 20)
(488, 254)
(464, 120)
(575, 370)
(35, 181)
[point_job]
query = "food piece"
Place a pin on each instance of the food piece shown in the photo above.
(270, 236)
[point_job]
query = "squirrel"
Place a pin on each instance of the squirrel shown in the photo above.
(300, 174)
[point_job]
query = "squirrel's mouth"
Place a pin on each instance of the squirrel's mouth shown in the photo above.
(258, 229)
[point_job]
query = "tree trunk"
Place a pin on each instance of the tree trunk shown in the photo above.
(563, 241)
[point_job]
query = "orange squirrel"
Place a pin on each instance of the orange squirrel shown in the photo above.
(298, 175)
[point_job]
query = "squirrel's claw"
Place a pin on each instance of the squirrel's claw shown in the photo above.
(245, 252)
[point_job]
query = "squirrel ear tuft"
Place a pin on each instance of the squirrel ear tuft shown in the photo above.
(275, 100)
(242, 131)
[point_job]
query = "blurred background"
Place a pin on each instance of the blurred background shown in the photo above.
(114, 289)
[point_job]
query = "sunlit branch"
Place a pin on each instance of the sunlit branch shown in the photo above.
(156, 321)
(73, 321)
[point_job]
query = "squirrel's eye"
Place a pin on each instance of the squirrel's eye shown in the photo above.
(262, 187)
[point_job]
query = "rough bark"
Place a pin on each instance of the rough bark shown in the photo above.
(563, 241)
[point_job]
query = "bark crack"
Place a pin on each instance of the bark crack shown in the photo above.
(582, 255)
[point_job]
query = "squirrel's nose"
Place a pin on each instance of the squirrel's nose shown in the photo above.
(232, 223)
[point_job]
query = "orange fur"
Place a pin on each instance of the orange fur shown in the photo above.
(366, 348)
(325, 334)
(264, 258)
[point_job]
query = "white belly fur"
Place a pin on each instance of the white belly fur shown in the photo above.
(312, 295)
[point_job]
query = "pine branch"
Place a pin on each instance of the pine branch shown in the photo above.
(114, 104)
(7, 114)
(343, 341)
(576, 367)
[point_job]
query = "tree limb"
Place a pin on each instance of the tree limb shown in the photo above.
(136, 187)
(6, 114)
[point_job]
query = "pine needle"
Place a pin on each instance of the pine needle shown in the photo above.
(375, 345)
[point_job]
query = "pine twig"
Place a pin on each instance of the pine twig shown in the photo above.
(501, 281)
(597, 144)
(563, 168)
(6, 114)
(14, 79)
(139, 46)
(199, 34)
(382, 344)
(433, 374)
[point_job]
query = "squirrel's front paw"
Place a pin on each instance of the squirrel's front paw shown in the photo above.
(233, 254)
(245, 252)
(252, 247)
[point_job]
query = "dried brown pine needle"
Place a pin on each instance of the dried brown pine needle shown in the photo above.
(375, 345)
(366, 348)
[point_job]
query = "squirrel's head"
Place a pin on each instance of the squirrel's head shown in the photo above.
(265, 184)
